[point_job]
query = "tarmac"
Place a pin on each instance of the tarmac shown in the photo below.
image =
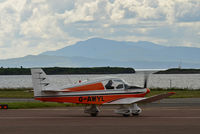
(154, 119)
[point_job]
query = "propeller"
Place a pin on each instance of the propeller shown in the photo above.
(146, 77)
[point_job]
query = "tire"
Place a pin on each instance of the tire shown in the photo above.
(135, 114)
(126, 115)
(94, 114)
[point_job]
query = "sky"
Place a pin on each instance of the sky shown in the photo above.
(30, 27)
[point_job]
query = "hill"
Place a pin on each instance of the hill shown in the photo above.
(128, 51)
(59, 70)
(179, 71)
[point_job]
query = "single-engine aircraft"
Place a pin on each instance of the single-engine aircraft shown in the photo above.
(101, 91)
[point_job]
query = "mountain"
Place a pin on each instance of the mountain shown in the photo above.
(103, 52)
(108, 49)
(128, 51)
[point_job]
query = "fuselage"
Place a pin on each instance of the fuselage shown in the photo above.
(99, 91)
(93, 96)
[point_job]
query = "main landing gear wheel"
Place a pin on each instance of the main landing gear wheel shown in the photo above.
(93, 110)
(94, 114)
(126, 115)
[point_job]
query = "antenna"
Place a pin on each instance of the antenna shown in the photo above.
(69, 80)
(180, 64)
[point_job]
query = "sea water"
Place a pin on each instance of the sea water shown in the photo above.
(191, 81)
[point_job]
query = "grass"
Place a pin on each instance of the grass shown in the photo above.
(16, 93)
(28, 92)
(180, 93)
(26, 105)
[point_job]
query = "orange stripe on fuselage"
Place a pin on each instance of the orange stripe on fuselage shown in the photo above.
(98, 99)
(89, 87)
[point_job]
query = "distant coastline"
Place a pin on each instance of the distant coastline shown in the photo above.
(179, 71)
(62, 70)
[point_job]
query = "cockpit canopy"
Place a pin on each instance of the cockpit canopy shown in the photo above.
(117, 84)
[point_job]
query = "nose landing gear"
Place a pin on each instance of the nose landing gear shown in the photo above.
(126, 111)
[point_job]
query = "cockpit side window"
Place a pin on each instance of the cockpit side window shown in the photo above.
(120, 86)
(126, 86)
(109, 85)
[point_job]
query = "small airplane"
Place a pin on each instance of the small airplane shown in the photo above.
(96, 92)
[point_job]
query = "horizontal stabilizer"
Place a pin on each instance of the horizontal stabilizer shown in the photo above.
(55, 91)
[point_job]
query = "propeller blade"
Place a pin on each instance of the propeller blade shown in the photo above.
(146, 76)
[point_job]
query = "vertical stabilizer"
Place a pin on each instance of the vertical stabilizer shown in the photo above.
(40, 81)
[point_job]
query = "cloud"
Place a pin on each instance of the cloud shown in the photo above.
(35, 26)
(29, 27)
(189, 12)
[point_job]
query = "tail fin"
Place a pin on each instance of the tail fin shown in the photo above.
(40, 81)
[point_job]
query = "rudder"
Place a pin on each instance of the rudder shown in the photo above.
(39, 80)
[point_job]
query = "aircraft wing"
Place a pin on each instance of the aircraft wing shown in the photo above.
(140, 100)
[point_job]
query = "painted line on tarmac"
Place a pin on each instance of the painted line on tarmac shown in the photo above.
(171, 109)
(103, 109)
(39, 117)
(198, 117)
(97, 117)
(42, 109)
